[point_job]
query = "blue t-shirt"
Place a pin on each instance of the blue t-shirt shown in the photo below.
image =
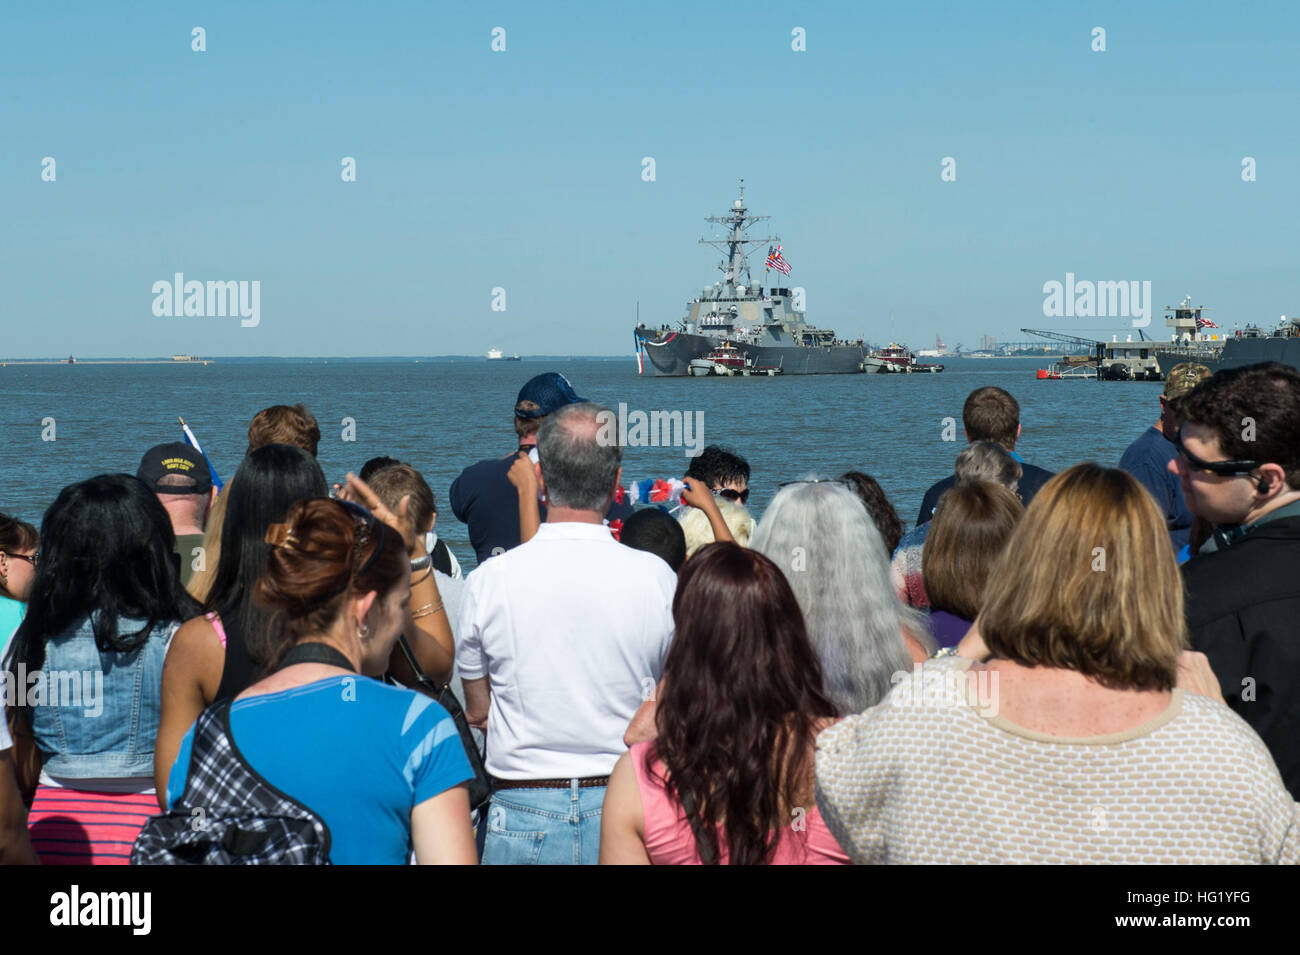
(11, 615)
(1147, 459)
(358, 753)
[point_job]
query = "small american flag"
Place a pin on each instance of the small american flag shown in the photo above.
(775, 260)
(1205, 323)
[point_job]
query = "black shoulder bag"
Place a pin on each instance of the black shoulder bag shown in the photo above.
(480, 787)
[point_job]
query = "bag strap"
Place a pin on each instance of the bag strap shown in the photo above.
(314, 651)
(421, 677)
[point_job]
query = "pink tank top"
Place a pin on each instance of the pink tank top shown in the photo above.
(669, 841)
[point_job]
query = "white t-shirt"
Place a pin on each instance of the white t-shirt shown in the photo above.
(571, 629)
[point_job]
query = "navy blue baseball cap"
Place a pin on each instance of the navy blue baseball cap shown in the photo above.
(550, 392)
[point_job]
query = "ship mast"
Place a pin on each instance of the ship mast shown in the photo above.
(738, 221)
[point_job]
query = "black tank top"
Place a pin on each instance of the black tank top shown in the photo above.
(240, 671)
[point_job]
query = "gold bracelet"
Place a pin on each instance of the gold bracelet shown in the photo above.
(426, 611)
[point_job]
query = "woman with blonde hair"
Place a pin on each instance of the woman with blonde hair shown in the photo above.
(698, 521)
(201, 580)
(1074, 742)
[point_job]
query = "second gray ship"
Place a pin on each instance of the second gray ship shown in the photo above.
(736, 315)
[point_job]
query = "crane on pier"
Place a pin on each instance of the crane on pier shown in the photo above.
(1093, 345)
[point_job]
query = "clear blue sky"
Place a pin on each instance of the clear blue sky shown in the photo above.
(522, 169)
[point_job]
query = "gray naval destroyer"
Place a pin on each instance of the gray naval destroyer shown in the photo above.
(764, 327)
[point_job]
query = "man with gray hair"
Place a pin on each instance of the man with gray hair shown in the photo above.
(560, 640)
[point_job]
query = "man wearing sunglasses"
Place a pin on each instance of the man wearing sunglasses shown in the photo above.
(1239, 464)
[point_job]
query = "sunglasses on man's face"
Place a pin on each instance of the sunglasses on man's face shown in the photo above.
(731, 494)
(1221, 468)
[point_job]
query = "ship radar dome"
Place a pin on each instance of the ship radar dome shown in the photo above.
(737, 205)
(740, 290)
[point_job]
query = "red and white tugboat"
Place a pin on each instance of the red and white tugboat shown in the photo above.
(899, 359)
(727, 360)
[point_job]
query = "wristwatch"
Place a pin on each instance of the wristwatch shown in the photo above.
(422, 563)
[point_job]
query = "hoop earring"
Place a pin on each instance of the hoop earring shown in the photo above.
(363, 631)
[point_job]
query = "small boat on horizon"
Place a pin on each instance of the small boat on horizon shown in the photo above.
(494, 354)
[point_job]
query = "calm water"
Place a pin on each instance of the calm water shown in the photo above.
(443, 416)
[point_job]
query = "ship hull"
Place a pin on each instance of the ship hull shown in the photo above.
(1251, 351)
(670, 356)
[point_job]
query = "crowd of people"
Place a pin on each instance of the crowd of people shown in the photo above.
(1095, 665)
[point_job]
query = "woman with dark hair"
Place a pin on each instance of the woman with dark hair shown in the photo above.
(105, 603)
(873, 498)
(18, 554)
(381, 766)
(219, 654)
(729, 779)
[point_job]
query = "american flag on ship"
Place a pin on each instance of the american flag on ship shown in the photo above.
(1204, 323)
(775, 260)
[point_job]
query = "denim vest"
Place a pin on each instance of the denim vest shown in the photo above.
(99, 716)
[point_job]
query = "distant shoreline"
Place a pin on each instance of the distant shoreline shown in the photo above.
(104, 361)
(388, 359)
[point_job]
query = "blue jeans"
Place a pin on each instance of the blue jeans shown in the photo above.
(544, 826)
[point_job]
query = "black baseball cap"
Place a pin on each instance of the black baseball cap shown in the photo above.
(175, 458)
(550, 392)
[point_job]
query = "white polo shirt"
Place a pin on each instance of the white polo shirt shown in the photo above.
(571, 629)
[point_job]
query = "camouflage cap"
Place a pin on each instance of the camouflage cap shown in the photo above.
(1183, 377)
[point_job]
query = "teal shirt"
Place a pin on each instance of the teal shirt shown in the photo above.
(11, 615)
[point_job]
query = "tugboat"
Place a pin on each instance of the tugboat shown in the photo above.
(766, 325)
(727, 360)
(898, 359)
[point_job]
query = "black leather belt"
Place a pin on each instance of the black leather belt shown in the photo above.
(587, 782)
